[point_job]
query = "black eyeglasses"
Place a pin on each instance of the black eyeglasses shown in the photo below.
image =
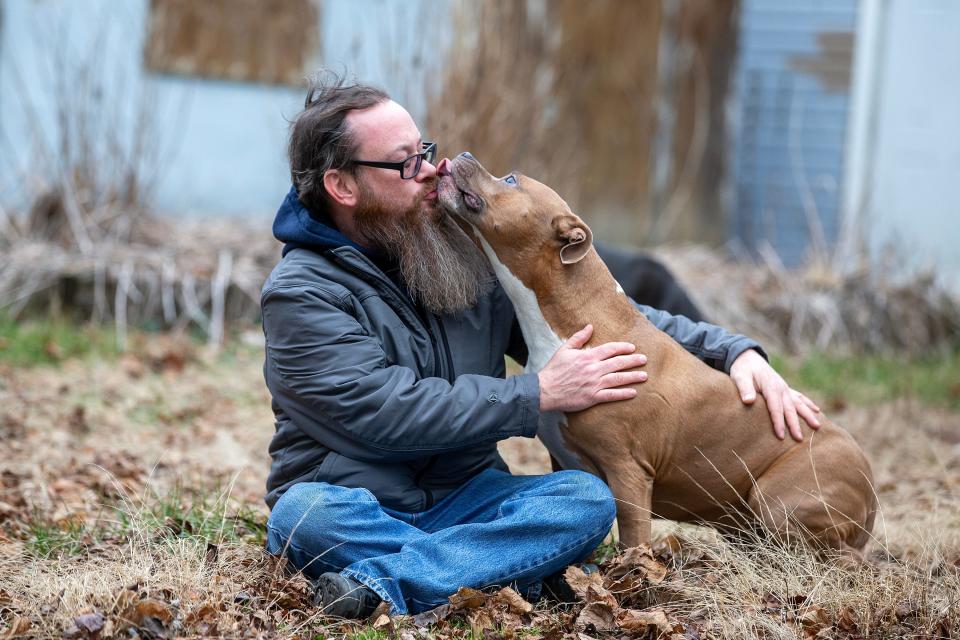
(409, 167)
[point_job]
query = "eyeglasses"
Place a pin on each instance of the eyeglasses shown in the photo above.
(409, 167)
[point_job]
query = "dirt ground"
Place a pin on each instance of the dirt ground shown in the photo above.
(171, 415)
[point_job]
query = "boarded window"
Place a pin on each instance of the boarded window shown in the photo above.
(269, 41)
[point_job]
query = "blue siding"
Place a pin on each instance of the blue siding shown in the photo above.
(789, 127)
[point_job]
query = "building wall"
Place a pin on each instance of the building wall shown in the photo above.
(790, 117)
(214, 146)
(904, 195)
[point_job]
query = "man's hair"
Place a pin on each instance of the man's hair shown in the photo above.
(320, 139)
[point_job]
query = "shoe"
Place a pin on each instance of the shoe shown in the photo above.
(342, 597)
(557, 588)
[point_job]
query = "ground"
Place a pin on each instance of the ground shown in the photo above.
(131, 504)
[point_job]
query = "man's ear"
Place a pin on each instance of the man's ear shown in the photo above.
(577, 240)
(341, 186)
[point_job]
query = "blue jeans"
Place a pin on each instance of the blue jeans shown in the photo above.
(496, 529)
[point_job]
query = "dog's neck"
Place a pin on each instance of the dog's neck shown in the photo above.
(550, 315)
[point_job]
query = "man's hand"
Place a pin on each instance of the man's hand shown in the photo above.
(576, 379)
(752, 373)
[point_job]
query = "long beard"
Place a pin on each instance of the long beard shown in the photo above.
(442, 268)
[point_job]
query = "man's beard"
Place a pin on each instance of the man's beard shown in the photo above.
(442, 268)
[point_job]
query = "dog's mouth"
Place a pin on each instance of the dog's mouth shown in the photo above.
(453, 190)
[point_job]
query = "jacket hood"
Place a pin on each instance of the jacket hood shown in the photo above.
(297, 228)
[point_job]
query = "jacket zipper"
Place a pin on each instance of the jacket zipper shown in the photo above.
(446, 349)
(374, 279)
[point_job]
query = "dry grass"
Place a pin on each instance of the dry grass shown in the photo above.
(131, 498)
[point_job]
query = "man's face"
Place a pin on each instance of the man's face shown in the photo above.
(387, 133)
(442, 268)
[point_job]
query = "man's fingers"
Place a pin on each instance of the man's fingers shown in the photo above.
(610, 349)
(621, 378)
(748, 392)
(808, 414)
(810, 403)
(775, 406)
(580, 338)
(790, 413)
(619, 363)
(612, 395)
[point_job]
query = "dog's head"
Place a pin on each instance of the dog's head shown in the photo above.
(523, 221)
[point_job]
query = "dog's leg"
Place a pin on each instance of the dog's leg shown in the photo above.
(633, 490)
(808, 495)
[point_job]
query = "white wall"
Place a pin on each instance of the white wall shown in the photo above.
(220, 143)
(904, 187)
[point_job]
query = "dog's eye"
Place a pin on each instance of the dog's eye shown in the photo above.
(510, 180)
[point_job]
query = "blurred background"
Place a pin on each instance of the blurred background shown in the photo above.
(794, 163)
(785, 135)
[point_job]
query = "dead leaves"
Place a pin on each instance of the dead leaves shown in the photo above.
(482, 610)
(634, 569)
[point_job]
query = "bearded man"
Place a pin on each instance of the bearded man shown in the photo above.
(385, 343)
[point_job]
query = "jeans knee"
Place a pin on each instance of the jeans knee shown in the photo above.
(306, 501)
(588, 488)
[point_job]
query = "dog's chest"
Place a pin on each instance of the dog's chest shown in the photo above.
(542, 342)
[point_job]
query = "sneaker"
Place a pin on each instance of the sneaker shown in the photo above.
(342, 597)
(557, 588)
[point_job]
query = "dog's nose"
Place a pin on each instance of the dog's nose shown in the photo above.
(468, 155)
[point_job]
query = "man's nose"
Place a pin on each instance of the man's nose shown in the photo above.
(427, 171)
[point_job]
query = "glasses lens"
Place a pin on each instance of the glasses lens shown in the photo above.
(411, 167)
(430, 151)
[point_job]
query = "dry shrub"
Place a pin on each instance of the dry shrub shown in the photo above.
(759, 589)
(877, 308)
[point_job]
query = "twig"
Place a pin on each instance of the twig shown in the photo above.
(168, 297)
(219, 287)
(120, 304)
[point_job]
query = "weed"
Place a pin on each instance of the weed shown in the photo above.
(200, 515)
(49, 540)
(932, 379)
(367, 633)
(604, 552)
(40, 342)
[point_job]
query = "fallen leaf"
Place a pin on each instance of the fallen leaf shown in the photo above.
(87, 626)
(640, 621)
(635, 562)
(598, 616)
(18, 627)
(467, 598)
(384, 623)
(596, 593)
(580, 581)
(847, 620)
(813, 617)
(480, 620)
(77, 422)
(205, 614)
(514, 601)
(149, 614)
(433, 616)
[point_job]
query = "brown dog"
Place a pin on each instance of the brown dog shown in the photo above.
(686, 448)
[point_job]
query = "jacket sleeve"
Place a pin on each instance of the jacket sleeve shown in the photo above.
(334, 382)
(712, 344)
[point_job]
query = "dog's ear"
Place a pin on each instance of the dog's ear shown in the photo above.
(577, 240)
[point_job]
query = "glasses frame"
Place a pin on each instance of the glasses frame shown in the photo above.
(429, 154)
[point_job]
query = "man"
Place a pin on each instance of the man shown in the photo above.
(385, 342)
